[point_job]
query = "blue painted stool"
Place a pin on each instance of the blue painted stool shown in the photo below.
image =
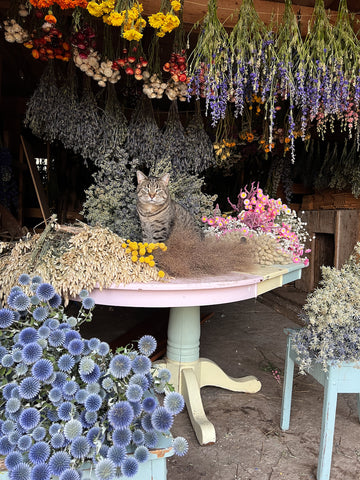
(339, 378)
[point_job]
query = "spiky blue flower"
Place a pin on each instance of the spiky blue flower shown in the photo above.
(21, 369)
(88, 303)
(180, 446)
(44, 331)
(21, 302)
(56, 338)
(40, 472)
(81, 395)
(93, 402)
(79, 447)
(66, 362)
(142, 454)
(121, 414)
(94, 343)
(7, 427)
(86, 365)
(93, 435)
(139, 380)
(13, 459)
(120, 366)
(147, 345)
(146, 422)
(55, 395)
(162, 419)
(12, 295)
(164, 374)
(121, 437)
(29, 388)
(29, 418)
(28, 335)
(7, 360)
(103, 349)
(8, 388)
(70, 335)
(70, 388)
(12, 405)
(53, 323)
(70, 474)
(149, 404)
(72, 321)
(14, 437)
(105, 469)
(39, 453)
(108, 384)
(38, 433)
(22, 471)
(174, 402)
(91, 417)
(76, 346)
(134, 393)
(72, 429)
(24, 279)
(24, 443)
(57, 441)
(59, 462)
(5, 445)
(6, 317)
(151, 439)
(117, 454)
(91, 377)
(138, 437)
(141, 364)
(64, 411)
(17, 355)
(31, 353)
(3, 351)
(45, 291)
(55, 301)
(60, 380)
(42, 369)
(40, 314)
(35, 300)
(130, 467)
(52, 415)
(84, 293)
(36, 279)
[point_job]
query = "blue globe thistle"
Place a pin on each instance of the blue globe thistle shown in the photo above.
(14, 437)
(162, 419)
(55, 301)
(29, 418)
(8, 388)
(60, 380)
(130, 467)
(146, 423)
(88, 303)
(13, 459)
(5, 445)
(56, 338)
(160, 387)
(70, 387)
(72, 429)
(21, 302)
(70, 335)
(121, 437)
(53, 323)
(28, 335)
(35, 300)
(45, 291)
(84, 293)
(24, 443)
(142, 454)
(40, 472)
(24, 279)
(7, 427)
(147, 345)
(91, 417)
(57, 441)
(55, 395)
(103, 349)
(149, 404)
(32, 352)
(105, 469)
(29, 388)
(91, 377)
(93, 388)
(21, 369)
(66, 362)
(134, 393)
(12, 405)
(138, 437)
(64, 411)
(180, 446)
(141, 364)
(141, 380)
(121, 414)
(93, 435)
(22, 471)
(174, 402)
(39, 453)
(108, 384)
(3, 351)
(120, 366)
(87, 349)
(44, 331)
(36, 279)
(38, 433)
(6, 317)
(52, 415)
(94, 343)
(86, 365)
(40, 314)
(93, 402)
(117, 454)
(164, 375)
(17, 355)
(151, 439)
(136, 406)
(70, 474)
(76, 346)
(54, 428)
(79, 447)
(7, 360)
(42, 369)
(59, 462)
(81, 396)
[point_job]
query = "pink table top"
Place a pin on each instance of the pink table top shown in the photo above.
(227, 288)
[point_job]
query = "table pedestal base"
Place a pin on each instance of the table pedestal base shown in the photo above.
(189, 377)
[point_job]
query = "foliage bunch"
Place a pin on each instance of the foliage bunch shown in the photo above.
(67, 400)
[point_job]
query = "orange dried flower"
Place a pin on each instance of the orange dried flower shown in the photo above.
(50, 19)
(35, 53)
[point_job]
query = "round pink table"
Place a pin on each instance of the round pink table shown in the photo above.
(189, 372)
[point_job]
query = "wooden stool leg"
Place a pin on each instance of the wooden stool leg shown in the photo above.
(327, 427)
(287, 389)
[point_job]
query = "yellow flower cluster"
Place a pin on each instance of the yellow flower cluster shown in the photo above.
(142, 252)
(165, 22)
(222, 149)
(248, 136)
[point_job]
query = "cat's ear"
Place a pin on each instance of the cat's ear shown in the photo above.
(140, 176)
(165, 178)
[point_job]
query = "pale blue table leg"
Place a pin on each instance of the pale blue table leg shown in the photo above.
(287, 388)
(327, 426)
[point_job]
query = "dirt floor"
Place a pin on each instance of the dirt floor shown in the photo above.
(246, 338)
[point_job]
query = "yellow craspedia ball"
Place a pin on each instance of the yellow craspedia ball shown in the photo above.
(161, 274)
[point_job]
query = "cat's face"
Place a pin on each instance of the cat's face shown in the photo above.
(153, 190)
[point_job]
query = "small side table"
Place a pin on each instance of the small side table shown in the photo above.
(339, 378)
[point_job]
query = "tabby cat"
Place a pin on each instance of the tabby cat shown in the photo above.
(159, 214)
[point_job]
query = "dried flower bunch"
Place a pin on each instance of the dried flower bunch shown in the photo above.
(332, 314)
(69, 401)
